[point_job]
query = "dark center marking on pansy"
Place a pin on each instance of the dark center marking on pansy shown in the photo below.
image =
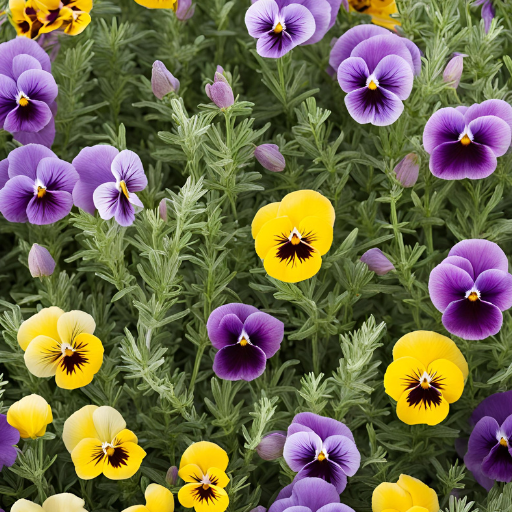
(71, 358)
(117, 456)
(424, 389)
(295, 247)
(361, 5)
(124, 189)
(205, 492)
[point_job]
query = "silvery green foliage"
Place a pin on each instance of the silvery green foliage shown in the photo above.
(152, 287)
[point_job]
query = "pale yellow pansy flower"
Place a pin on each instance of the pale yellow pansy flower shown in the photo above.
(30, 416)
(158, 499)
(64, 502)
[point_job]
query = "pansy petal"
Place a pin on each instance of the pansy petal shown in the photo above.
(187, 495)
(378, 107)
(481, 441)
(218, 502)
(30, 416)
(395, 75)
(388, 496)
(38, 85)
(265, 213)
(15, 197)
(8, 93)
(344, 452)
(235, 362)
(4, 172)
(88, 458)
(415, 55)
(159, 499)
(24, 161)
(270, 234)
(445, 125)
(136, 202)
(306, 203)
(73, 323)
(64, 502)
(191, 473)
(44, 137)
(498, 464)
(32, 118)
(218, 477)
(108, 423)
(22, 63)
(42, 356)
(43, 323)
(125, 213)
(56, 174)
(314, 494)
(228, 331)
(132, 456)
(498, 108)
(496, 406)
(493, 132)
(217, 330)
(321, 11)
(422, 413)
(291, 270)
(495, 287)
(422, 495)
(260, 17)
(462, 263)
(127, 167)
(352, 74)
(321, 425)
(300, 23)
(265, 331)
(8, 433)
(19, 46)
(300, 449)
(206, 455)
(449, 377)
(335, 507)
(398, 373)
(78, 426)
(50, 208)
(106, 199)
(24, 505)
(327, 470)
(482, 254)
(448, 283)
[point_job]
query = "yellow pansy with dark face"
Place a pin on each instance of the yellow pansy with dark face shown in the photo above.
(379, 10)
(30, 416)
(203, 466)
(293, 235)
(427, 374)
(158, 499)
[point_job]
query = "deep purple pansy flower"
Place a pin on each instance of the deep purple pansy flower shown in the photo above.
(37, 185)
(489, 455)
(309, 495)
(281, 25)
(321, 447)
(471, 287)
(465, 142)
(108, 182)
(9, 437)
(27, 92)
(246, 337)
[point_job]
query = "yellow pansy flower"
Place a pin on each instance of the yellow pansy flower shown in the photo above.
(408, 494)
(159, 4)
(23, 16)
(158, 499)
(203, 465)
(427, 374)
(99, 442)
(62, 345)
(30, 416)
(379, 10)
(293, 235)
(57, 503)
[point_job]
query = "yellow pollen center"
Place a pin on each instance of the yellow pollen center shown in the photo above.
(372, 85)
(295, 240)
(41, 191)
(243, 342)
(110, 451)
(278, 29)
(68, 352)
(473, 296)
(425, 384)
(23, 102)
(321, 456)
(124, 190)
(206, 486)
(465, 141)
(503, 442)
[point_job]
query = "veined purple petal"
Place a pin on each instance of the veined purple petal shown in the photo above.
(378, 107)
(235, 362)
(22, 63)
(260, 17)
(335, 7)
(498, 464)
(482, 254)
(265, 331)
(498, 108)
(506, 427)
(415, 55)
(298, 508)
(31, 118)
(44, 137)
(445, 125)
(497, 406)
(462, 263)
(352, 74)
(127, 167)
(495, 287)
(228, 331)
(56, 174)
(395, 75)
(125, 213)
(216, 331)
(280, 505)
(285, 492)
(300, 449)
(327, 470)
(38, 85)
(493, 132)
(344, 452)
(50, 208)
(314, 493)
(4, 172)
(448, 283)
(15, 197)
(472, 320)
(479, 476)
(136, 202)
(9, 436)
(335, 507)
(18, 46)
(321, 11)
(106, 199)
(8, 91)
(24, 161)
(321, 425)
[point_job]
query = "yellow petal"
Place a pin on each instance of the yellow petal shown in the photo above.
(64, 502)
(218, 477)
(265, 213)
(306, 203)
(157, 4)
(187, 495)
(79, 369)
(421, 414)
(79, 426)
(190, 473)
(30, 416)
(390, 496)
(399, 375)
(159, 499)
(271, 234)
(71, 324)
(213, 499)
(427, 346)
(291, 271)
(206, 455)
(43, 323)
(449, 377)
(42, 356)
(26, 506)
(79, 24)
(47, 5)
(317, 232)
(108, 423)
(81, 5)
(125, 462)
(422, 495)
(136, 508)
(125, 436)
(88, 458)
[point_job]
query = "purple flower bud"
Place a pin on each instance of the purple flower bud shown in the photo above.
(272, 444)
(162, 80)
(407, 170)
(220, 93)
(377, 262)
(269, 156)
(220, 70)
(488, 13)
(259, 508)
(453, 70)
(162, 209)
(219, 77)
(185, 10)
(172, 475)
(40, 261)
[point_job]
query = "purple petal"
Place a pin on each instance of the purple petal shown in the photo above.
(301, 449)
(488, 14)
(9, 436)
(495, 287)
(335, 507)
(482, 254)
(216, 331)
(492, 132)
(498, 108)
(266, 332)
(314, 493)
(44, 137)
(506, 427)
(106, 199)
(378, 107)
(327, 470)
(335, 7)
(298, 508)
(125, 213)
(235, 362)
(448, 283)
(50, 208)
(8, 91)
(136, 202)
(228, 331)
(285, 492)
(22, 63)
(260, 17)
(38, 85)
(344, 452)
(24, 161)
(498, 464)
(15, 197)
(321, 11)
(415, 55)
(472, 320)
(32, 118)
(19, 46)
(481, 478)
(352, 74)
(282, 504)
(462, 263)
(497, 406)
(445, 125)
(4, 172)
(8, 455)
(322, 426)
(395, 75)
(56, 174)
(481, 441)
(127, 167)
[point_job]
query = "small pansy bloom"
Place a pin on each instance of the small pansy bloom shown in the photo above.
(158, 499)
(56, 503)
(99, 442)
(203, 467)
(426, 376)
(489, 454)
(9, 437)
(408, 494)
(466, 142)
(379, 10)
(293, 235)
(39, 186)
(472, 287)
(62, 345)
(30, 416)
(246, 337)
(322, 448)
(108, 182)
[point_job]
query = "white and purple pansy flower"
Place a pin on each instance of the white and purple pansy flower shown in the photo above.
(108, 182)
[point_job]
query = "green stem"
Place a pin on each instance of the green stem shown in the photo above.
(197, 364)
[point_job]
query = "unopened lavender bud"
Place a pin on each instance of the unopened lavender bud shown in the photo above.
(377, 262)
(269, 156)
(271, 446)
(162, 80)
(407, 170)
(185, 10)
(172, 475)
(453, 70)
(221, 94)
(40, 261)
(162, 209)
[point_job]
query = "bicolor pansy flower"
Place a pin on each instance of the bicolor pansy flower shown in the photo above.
(30, 416)
(62, 345)
(293, 235)
(426, 376)
(99, 442)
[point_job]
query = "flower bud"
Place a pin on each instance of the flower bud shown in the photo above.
(407, 170)
(269, 156)
(162, 80)
(40, 261)
(172, 476)
(162, 209)
(220, 93)
(185, 10)
(377, 262)
(220, 70)
(453, 70)
(272, 444)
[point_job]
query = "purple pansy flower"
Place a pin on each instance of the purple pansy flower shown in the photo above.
(465, 142)
(246, 337)
(38, 186)
(309, 495)
(27, 92)
(471, 287)
(489, 455)
(108, 182)
(9, 437)
(321, 447)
